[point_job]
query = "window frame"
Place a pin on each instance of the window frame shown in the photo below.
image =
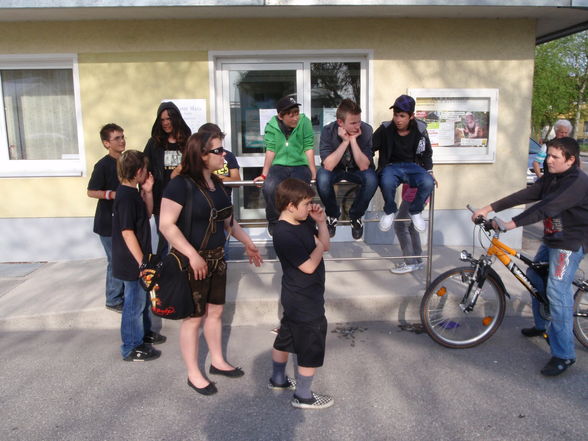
(221, 61)
(20, 168)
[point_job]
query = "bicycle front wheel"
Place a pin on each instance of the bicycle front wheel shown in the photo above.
(444, 315)
(581, 316)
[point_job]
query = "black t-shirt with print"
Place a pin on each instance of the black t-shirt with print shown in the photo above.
(172, 157)
(163, 159)
(302, 294)
(129, 213)
(104, 178)
(177, 191)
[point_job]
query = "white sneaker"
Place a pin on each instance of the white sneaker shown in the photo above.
(418, 222)
(402, 268)
(418, 266)
(386, 222)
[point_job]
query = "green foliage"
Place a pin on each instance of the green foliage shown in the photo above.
(560, 80)
(553, 91)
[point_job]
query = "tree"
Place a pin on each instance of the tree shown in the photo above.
(561, 80)
(574, 50)
(553, 91)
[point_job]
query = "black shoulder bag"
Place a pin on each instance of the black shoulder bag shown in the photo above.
(167, 279)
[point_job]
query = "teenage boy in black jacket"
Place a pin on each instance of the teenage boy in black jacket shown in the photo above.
(405, 157)
(562, 196)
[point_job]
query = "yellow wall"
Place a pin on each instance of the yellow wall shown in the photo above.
(127, 68)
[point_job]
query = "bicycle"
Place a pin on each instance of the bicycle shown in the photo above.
(464, 306)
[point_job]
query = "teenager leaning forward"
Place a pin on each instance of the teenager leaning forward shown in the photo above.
(204, 249)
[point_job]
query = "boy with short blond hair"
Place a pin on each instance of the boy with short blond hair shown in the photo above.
(300, 245)
(346, 154)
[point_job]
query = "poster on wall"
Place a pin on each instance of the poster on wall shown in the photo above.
(193, 111)
(462, 123)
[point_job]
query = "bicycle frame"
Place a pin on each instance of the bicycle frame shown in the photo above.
(503, 253)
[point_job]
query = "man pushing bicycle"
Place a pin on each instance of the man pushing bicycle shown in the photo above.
(562, 204)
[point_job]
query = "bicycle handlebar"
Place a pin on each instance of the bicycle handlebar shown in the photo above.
(494, 224)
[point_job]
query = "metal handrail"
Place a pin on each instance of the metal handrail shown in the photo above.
(428, 257)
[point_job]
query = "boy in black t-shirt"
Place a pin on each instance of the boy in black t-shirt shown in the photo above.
(102, 186)
(131, 240)
(303, 328)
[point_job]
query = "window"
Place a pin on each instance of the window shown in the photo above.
(40, 125)
(247, 90)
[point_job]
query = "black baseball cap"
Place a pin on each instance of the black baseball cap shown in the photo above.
(404, 103)
(286, 103)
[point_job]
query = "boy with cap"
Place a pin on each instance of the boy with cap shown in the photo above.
(405, 157)
(289, 153)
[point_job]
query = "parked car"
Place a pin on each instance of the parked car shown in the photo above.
(534, 148)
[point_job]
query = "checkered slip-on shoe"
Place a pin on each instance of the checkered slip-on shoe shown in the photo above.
(290, 384)
(318, 401)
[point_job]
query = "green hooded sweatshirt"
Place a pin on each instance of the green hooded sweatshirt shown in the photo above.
(289, 152)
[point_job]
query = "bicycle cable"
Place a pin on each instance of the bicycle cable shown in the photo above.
(482, 234)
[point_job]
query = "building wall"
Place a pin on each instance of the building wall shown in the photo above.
(127, 67)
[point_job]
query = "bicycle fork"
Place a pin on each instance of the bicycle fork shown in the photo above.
(476, 282)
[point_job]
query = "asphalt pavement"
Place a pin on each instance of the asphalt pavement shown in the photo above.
(62, 377)
(388, 384)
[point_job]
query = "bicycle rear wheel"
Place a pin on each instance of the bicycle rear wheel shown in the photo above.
(443, 315)
(581, 316)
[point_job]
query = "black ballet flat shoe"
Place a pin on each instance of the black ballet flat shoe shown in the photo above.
(233, 373)
(209, 389)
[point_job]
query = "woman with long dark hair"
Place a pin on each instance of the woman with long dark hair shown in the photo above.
(164, 149)
(211, 220)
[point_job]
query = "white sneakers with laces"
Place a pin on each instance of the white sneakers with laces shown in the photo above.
(386, 222)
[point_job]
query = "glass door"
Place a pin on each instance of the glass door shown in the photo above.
(247, 91)
(250, 92)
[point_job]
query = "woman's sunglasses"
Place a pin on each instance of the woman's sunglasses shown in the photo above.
(217, 151)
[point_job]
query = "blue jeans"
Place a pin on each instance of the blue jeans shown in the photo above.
(367, 181)
(409, 173)
(276, 174)
(563, 265)
(136, 319)
(114, 286)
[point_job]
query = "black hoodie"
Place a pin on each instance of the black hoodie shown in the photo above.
(155, 151)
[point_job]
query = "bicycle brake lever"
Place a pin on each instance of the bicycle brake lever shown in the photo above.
(500, 224)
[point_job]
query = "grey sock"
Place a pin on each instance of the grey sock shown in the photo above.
(303, 385)
(279, 372)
